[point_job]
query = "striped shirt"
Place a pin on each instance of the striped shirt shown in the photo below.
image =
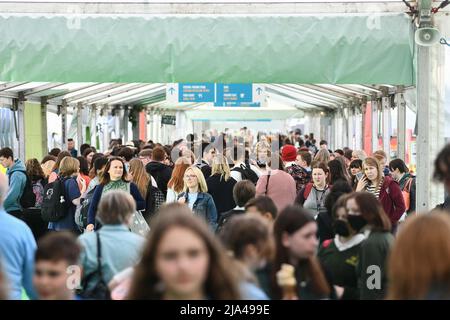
(375, 190)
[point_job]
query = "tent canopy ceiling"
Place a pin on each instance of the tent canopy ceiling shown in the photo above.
(278, 97)
(122, 54)
(357, 48)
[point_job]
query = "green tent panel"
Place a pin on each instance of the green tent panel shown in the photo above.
(336, 49)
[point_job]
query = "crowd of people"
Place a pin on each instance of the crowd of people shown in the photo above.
(218, 216)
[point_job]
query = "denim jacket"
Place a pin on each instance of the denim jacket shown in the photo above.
(204, 207)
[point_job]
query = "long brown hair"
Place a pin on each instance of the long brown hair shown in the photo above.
(61, 156)
(140, 176)
(315, 164)
(220, 284)
(419, 264)
(34, 169)
(290, 220)
(105, 178)
(176, 182)
(372, 211)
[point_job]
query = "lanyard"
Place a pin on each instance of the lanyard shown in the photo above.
(319, 202)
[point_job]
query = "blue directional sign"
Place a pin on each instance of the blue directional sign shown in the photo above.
(234, 94)
(196, 92)
(222, 95)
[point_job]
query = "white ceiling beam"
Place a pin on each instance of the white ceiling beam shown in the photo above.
(219, 7)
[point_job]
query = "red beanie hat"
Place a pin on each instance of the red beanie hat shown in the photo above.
(289, 153)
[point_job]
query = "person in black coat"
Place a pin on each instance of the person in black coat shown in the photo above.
(324, 218)
(158, 170)
(220, 185)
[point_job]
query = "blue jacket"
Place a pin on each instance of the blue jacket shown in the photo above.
(17, 181)
(17, 248)
(204, 207)
(134, 191)
(74, 152)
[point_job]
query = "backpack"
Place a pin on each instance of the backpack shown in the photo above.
(224, 218)
(247, 173)
(81, 214)
(28, 198)
(54, 205)
(154, 200)
(406, 191)
(300, 176)
(307, 191)
(38, 190)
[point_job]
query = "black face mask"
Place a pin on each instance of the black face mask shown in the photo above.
(341, 228)
(356, 222)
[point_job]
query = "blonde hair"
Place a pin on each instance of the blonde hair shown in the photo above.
(323, 156)
(140, 176)
(262, 145)
(202, 187)
(360, 154)
(69, 166)
(220, 166)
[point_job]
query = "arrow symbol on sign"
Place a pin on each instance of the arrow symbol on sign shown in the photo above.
(259, 91)
(171, 90)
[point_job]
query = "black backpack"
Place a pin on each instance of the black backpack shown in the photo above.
(247, 173)
(154, 200)
(28, 198)
(54, 205)
(81, 214)
(224, 218)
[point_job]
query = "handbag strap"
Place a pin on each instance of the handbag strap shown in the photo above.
(98, 271)
(408, 185)
(267, 183)
(99, 256)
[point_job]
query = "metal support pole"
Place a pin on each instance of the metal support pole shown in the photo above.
(386, 105)
(363, 124)
(104, 129)
(94, 126)
(150, 125)
(64, 125)
(345, 141)
(137, 125)
(375, 108)
(126, 113)
(423, 138)
(44, 145)
(79, 125)
(350, 127)
(401, 126)
(21, 126)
